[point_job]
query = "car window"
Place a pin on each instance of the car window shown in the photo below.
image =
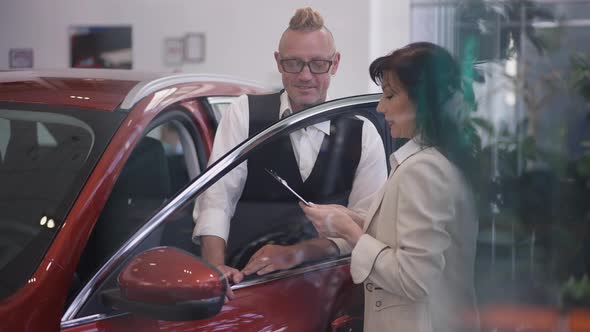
(4, 136)
(46, 153)
(162, 163)
(219, 105)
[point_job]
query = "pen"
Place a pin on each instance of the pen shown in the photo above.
(286, 185)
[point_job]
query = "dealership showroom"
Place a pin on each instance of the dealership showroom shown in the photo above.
(295, 165)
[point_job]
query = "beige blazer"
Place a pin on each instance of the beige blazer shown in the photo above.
(416, 258)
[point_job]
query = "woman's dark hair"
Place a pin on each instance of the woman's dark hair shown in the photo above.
(433, 82)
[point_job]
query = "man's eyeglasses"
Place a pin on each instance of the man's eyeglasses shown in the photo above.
(295, 66)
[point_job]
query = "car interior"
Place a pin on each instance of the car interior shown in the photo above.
(153, 173)
(45, 154)
(139, 191)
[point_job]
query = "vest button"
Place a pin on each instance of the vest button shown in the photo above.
(378, 304)
(369, 287)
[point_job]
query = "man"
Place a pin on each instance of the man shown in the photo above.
(306, 59)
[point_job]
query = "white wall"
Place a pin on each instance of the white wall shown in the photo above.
(241, 35)
(389, 28)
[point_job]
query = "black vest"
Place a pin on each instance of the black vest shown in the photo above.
(330, 180)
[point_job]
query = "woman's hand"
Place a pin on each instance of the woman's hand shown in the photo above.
(333, 221)
(353, 215)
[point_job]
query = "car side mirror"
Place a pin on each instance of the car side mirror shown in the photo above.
(167, 283)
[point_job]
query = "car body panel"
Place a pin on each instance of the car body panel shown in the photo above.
(108, 89)
(95, 89)
(274, 306)
(38, 305)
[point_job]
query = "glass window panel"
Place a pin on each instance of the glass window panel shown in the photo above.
(532, 86)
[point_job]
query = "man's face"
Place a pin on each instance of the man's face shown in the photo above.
(305, 88)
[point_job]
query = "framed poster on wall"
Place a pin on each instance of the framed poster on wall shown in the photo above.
(101, 47)
(20, 58)
(194, 47)
(173, 51)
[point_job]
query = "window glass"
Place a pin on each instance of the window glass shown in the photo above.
(36, 173)
(531, 82)
(174, 232)
(46, 153)
(169, 135)
(320, 163)
(4, 136)
(276, 218)
(219, 105)
(156, 169)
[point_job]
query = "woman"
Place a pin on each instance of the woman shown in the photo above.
(415, 249)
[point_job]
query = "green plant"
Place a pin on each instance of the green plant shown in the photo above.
(576, 292)
(580, 79)
(480, 20)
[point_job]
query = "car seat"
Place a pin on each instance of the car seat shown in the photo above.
(142, 187)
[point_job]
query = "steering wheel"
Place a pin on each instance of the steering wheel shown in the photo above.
(286, 236)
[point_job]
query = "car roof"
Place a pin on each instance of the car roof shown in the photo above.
(103, 89)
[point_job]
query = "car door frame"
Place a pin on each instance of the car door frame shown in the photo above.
(204, 181)
(175, 112)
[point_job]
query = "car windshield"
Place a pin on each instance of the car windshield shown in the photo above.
(46, 155)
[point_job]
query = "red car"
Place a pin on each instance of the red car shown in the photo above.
(98, 173)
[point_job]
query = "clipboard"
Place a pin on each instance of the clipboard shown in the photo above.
(286, 185)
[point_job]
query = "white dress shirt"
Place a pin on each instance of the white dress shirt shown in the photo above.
(215, 207)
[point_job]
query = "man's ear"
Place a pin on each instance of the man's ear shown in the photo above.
(335, 64)
(277, 59)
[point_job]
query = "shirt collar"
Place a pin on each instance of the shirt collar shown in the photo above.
(286, 104)
(404, 152)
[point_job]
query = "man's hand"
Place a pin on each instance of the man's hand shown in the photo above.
(272, 258)
(232, 276)
(213, 251)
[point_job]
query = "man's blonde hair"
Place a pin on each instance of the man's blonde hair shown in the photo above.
(306, 19)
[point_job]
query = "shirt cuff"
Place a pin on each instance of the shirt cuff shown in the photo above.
(343, 247)
(364, 256)
(211, 222)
